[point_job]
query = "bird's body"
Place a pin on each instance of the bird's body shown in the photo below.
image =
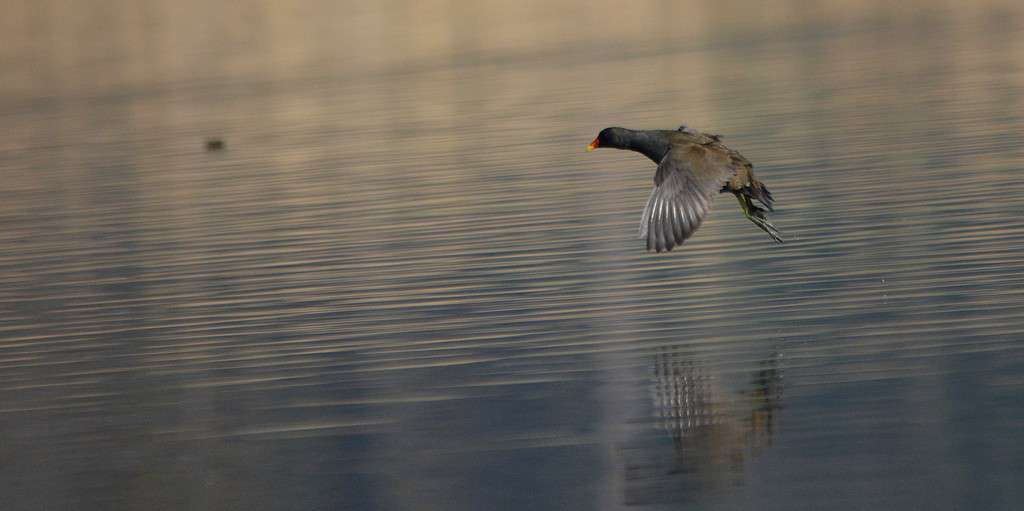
(693, 167)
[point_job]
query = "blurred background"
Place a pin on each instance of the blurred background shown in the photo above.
(352, 255)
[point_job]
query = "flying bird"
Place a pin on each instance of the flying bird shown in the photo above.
(692, 167)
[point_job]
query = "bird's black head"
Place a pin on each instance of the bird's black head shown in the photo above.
(652, 144)
(617, 138)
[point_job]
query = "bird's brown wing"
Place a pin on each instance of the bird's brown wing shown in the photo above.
(686, 180)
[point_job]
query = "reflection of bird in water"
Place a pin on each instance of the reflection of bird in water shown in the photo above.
(705, 423)
(693, 167)
(714, 428)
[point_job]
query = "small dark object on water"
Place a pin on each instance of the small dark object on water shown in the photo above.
(214, 144)
(692, 167)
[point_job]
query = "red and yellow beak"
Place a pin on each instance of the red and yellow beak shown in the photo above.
(593, 145)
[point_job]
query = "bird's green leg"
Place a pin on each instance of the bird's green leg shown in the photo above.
(745, 205)
(757, 217)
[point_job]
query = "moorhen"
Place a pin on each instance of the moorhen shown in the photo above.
(692, 167)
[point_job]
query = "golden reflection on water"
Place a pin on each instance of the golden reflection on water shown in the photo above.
(404, 278)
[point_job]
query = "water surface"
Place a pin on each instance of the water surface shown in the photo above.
(402, 283)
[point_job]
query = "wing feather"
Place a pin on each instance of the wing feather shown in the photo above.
(686, 180)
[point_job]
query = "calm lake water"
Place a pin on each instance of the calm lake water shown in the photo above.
(403, 284)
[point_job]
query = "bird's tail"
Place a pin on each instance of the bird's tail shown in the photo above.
(758, 215)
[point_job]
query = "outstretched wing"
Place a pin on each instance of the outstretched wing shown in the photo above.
(687, 179)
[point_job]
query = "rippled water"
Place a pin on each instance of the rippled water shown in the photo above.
(402, 283)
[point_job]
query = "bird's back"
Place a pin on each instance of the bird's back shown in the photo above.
(713, 150)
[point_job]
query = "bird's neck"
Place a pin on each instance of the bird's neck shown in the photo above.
(653, 145)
